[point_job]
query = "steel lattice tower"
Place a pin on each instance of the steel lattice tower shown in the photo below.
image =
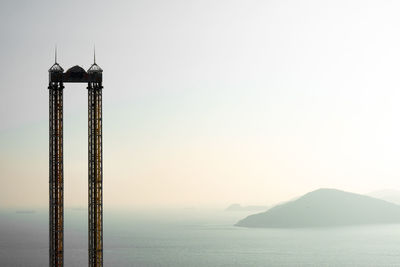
(56, 171)
(95, 157)
(93, 77)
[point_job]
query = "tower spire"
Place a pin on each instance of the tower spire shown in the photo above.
(94, 68)
(56, 67)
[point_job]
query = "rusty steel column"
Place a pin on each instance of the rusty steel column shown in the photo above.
(95, 170)
(56, 175)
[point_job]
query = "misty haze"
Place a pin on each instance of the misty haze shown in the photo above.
(199, 133)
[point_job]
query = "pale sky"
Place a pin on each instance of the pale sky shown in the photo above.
(206, 103)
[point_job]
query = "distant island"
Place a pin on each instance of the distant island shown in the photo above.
(25, 211)
(238, 207)
(326, 208)
(389, 195)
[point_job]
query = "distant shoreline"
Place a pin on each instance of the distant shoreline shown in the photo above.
(25, 211)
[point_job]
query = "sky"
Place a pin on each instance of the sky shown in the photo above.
(205, 103)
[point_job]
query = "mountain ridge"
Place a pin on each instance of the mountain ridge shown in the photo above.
(326, 207)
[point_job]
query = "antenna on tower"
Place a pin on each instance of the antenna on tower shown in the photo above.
(55, 53)
(94, 54)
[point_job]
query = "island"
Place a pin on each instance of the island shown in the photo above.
(326, 208)
(389, 195)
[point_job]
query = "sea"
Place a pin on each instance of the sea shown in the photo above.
(195, 238)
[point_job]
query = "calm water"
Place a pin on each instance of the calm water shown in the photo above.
(197, 239)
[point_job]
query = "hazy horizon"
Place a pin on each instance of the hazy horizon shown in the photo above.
(206, 103)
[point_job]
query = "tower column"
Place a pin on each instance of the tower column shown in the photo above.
(95, 157)
(56, 175)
